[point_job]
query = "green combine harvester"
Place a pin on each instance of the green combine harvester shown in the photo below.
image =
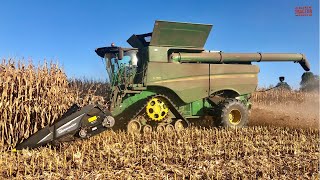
(165, 81)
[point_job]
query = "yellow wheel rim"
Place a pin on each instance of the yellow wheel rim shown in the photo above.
(235, 117)
(157, 109)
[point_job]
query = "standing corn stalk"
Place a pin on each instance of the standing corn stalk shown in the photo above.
(30, 98)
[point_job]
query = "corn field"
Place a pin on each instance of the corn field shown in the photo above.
(32, 97)
(256, 152)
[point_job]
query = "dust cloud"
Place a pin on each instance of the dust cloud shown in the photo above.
(290, 114)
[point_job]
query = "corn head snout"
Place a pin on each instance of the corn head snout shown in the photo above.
(76, 123)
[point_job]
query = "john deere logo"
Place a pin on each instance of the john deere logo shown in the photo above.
(303, 11)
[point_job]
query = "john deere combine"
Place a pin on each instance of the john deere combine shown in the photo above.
(163, 82)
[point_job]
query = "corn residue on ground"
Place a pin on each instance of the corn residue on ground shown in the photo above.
(254, 152)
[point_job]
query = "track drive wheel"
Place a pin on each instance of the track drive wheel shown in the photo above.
(134, 127)
(233, 113)
(157, 109)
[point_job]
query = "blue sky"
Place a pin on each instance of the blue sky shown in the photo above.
(69, 31)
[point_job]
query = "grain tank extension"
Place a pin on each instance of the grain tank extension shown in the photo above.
(165, 81)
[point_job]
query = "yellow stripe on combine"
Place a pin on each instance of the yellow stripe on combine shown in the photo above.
(212, 76)
(93, 118)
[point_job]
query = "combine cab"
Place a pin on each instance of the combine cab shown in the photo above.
(166, 80)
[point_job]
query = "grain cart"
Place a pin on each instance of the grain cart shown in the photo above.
(165, 80)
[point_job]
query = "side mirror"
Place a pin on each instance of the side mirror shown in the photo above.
(120, 54)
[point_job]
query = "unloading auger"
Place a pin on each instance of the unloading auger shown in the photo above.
(163, 82)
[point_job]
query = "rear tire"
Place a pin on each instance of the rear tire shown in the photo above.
(232, 113)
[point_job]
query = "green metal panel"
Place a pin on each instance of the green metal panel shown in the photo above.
(130, 101)
(180, 34)
(245, 99)
(196, 108)
(240, 78)
(190, 81)
(158, 54)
